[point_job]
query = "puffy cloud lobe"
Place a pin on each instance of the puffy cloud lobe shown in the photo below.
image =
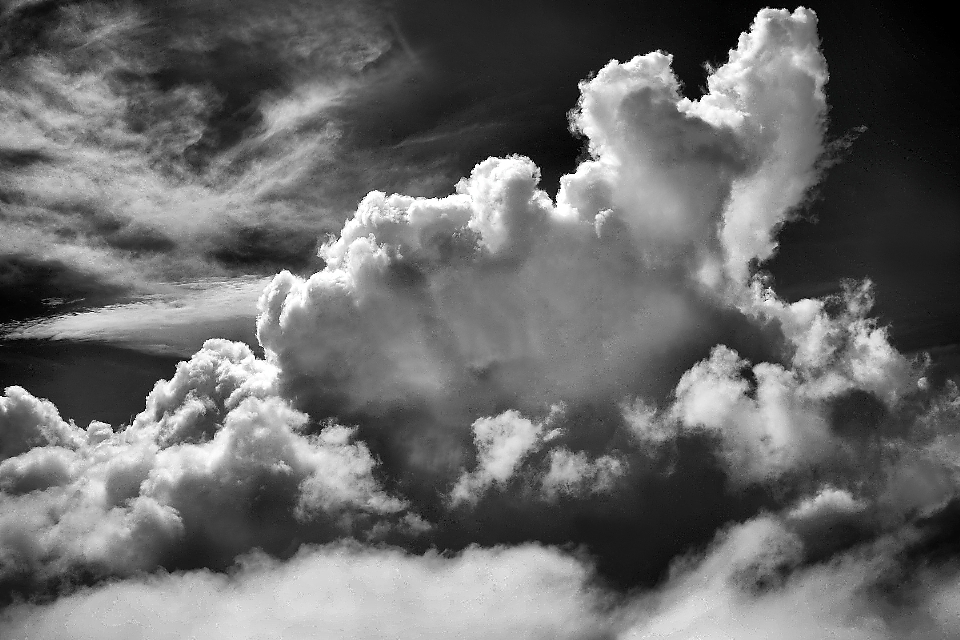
(190, 406)
(423, 299)
(341, 591)
(214, 466)
(27, 422)
(836, 342)
(757, 581)
(705, 183)
(659, 170)
(777, 429)
(498, 297)
(506, 445)
(502, 443)
(777, 418)
(439, 319)
(571, 474)
(782, 100)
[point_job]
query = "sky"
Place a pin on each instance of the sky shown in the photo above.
(424, 319)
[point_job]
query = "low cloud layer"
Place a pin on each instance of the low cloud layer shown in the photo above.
(754, 581)
(502, 414)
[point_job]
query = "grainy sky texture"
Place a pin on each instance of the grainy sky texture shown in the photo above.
(426, 320)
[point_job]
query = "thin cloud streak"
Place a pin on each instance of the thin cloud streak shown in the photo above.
(177, 322)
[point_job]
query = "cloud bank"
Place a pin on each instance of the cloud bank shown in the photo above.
(500, 414)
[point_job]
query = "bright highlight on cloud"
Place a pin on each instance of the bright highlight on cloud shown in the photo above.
(176, 321)
(485, 406)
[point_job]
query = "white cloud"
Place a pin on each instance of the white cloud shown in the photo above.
(30, 422)
(502, 443)
(446, 318)
(843, 350)
(496, 296)
(178, 321)
(340, 591)
(156, 146)
(777, 429)
(216, 464)
(573, 473)
(705, 183)
(505, 446)
(752, 582)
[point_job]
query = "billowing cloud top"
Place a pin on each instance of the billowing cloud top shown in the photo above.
(497, 414)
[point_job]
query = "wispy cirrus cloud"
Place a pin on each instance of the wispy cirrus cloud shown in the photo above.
(177, 321)
(148, 145)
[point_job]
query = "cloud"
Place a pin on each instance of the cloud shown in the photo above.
(146, 145)
(572, 473)
(498, 296)
(774, 430)
(753, 581)
(504, 445)
(177, 321)
(343, 591)
(495, 412)
(841, 378)
(214, 466)
(29, 422)
(706, 182)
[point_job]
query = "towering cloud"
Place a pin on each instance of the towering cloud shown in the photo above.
(497, 296)
(215, 465)
(474, 382)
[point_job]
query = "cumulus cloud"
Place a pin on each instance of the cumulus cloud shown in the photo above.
(29, 422)
(763, 435)
(504, 443)
(573, 473)
(214, 466)
(705, 183)
(759, 579)
(602, 371)
(497, 295)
